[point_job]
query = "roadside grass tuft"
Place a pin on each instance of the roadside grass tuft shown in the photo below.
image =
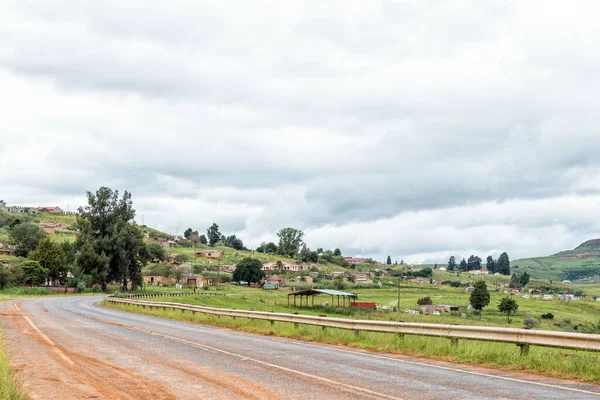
(556, 363)
(9, 389)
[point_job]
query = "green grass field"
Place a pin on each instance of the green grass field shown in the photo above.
(583, 314)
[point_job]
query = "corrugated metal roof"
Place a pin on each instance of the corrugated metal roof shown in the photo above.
(330, 292)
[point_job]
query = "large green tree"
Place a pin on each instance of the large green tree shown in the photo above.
(473, 263)
(490, 264)
(111, 246)
(290, 241)
(248, 270)
(480, 296)
(524, 278)
(508, 307)
(235, 242)
(187, 233)
(451, 263)
(26, 237)
(271, 248)
(33, 272)
(514, 281)
(203, 239)
(503, 264)
(51, 256)
(156, 252)
(213, 234)
(389, 260)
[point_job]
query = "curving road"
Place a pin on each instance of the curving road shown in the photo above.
(71, 348)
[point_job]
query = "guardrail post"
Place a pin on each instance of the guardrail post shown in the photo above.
(454, 342)
(401, 336)
(272, 323)
(356, 333)
(524, 347)
(296, 324)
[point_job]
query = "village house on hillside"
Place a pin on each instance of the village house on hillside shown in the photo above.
(227, 268)
(210, 254)
(277, 280)
(355, 260)
(52, 227)
(479, 272)
(53, 210)
(272, 266)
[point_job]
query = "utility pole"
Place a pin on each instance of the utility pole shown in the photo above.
(398, 306)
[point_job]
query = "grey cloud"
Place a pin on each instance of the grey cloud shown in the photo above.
(319, 117)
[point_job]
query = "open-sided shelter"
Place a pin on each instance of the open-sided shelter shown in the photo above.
(311, 293)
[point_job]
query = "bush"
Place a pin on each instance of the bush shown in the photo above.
(80, 286)
(529, 323)
(425, 301)
(339, 285)
(22, 291)
(452, 283)
(547, 316)
(95, 288)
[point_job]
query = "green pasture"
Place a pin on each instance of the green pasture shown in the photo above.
(582, 315)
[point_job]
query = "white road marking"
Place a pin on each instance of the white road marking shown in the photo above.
(46, 338)
(349, 388)
(506, 378)
(456, 370)
(282, 340)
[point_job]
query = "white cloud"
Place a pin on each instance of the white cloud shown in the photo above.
(408, 129)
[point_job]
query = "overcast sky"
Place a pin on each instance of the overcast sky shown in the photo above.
(418, 129)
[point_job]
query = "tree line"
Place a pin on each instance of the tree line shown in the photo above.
(501, 265)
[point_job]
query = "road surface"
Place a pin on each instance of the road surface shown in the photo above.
(72, 348)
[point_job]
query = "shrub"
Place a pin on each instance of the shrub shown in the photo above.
(452, 283)
(529, 323)
(425, 301)
(80, 286)
(547, 316)
(95, 288)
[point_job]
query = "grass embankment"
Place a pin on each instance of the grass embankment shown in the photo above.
(551, 362)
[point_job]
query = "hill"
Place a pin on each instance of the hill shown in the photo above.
(580, 264)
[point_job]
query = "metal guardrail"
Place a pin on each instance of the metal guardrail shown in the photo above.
(521, 337)
(174, 294)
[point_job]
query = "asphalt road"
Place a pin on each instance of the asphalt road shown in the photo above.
(71, 348)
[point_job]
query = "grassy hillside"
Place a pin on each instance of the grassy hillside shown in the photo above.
(581, 264)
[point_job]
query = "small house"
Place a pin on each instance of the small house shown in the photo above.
(191, 280)
(53, 210)
(277, 280)
(210, 254)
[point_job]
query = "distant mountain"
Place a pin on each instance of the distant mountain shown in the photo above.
(589, 249)
(581, 264)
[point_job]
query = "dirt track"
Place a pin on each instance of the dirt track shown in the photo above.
(68, 348)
